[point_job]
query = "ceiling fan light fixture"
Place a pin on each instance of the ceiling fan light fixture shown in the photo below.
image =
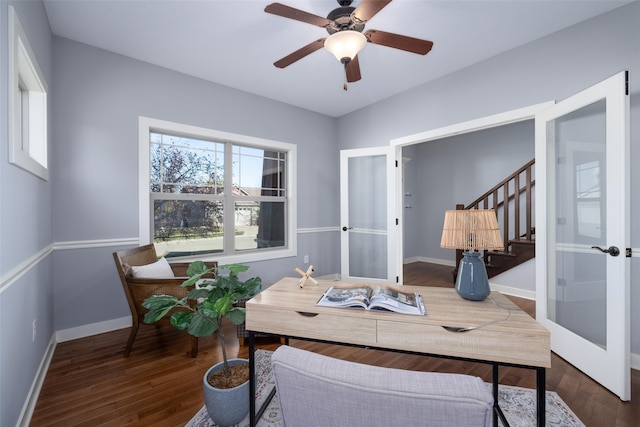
(345, 44)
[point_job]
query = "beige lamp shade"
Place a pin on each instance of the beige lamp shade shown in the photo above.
(471, 229)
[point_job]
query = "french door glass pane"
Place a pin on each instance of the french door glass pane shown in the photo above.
(577, 284)
(368, 217)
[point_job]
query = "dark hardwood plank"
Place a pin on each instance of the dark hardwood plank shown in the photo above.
(90, 383)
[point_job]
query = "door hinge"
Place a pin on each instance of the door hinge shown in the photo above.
(627, 252)
(397, 222)
(397, 279)
(562, 282)
(626, 83)
(396, 163)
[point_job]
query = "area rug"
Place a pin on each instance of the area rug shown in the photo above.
(517, 403)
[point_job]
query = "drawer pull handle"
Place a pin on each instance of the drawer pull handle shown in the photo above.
(307, 314)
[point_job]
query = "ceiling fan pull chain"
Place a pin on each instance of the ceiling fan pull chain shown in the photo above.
(344, 85)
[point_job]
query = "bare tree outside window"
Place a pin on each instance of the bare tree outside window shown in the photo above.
(190, 187)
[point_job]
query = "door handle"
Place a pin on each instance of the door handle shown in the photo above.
(613, 250)
(345, 228)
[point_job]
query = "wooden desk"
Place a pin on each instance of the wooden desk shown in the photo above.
(285, 309)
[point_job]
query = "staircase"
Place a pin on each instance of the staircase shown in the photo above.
(513, 202)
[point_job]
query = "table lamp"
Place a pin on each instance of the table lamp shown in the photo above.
(471, 230)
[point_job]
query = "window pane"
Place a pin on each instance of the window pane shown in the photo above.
(259, 225)
(186, 165)
(258, 172)
(246, 227)
(185, 227)
(273, 176)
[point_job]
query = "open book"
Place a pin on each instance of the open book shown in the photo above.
(373, 298)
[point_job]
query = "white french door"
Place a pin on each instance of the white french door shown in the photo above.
(582, 271)
(369, 222)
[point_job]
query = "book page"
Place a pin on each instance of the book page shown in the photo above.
(394, 300)
(346, 297)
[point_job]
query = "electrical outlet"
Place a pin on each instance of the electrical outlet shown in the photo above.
(34, 327)
(306, 259)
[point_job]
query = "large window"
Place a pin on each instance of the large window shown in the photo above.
(215, 195)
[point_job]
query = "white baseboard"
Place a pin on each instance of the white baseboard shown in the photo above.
(32, 398)
(516, 292)
(93, 329)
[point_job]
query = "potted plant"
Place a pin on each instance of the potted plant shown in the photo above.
(225, 385)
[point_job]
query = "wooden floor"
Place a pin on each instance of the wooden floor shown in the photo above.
(89, 383)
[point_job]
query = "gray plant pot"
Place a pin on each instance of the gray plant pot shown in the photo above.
(226, 407)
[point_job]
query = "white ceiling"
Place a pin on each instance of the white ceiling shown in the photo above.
(235, 43)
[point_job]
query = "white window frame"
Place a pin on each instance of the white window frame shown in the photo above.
(147, 125)
(27, 104)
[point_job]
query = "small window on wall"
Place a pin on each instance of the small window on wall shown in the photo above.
(208, 193)
(27, 104)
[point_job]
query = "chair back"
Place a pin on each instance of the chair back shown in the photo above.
(141, 255)
(316, 390)
(136, 289)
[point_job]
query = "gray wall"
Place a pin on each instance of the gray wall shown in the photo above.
(552, 68)
(25, 236)
(99, 97)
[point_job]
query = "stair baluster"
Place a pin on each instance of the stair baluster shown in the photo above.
(509, 210)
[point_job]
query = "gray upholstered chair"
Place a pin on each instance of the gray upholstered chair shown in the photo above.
(316, 390)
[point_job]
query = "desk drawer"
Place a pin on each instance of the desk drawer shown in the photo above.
(321, 326)
(490, 344)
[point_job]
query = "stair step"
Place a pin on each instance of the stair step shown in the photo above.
(501, 253)
(522, 242)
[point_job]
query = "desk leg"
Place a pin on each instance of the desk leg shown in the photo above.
(495, 395)
(497, 411)
(541, 395)
(252, 381)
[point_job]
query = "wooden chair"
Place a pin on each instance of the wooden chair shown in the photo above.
(138, 289)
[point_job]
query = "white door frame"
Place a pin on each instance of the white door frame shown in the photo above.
(488, 122)
(392, 214)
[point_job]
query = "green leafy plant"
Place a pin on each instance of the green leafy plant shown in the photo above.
(206, 304)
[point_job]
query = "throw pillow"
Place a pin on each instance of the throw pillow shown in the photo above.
(156, 270)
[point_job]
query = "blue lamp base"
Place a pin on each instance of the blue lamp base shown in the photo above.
(472, 282)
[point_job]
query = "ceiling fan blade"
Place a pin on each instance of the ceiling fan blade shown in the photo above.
(299, 54)
(368, 8)
(352, 69)
(398, 41)
(297, 14)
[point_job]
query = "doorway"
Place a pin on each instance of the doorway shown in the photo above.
(409, 246)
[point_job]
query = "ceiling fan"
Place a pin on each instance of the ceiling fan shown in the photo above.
(345, 25)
